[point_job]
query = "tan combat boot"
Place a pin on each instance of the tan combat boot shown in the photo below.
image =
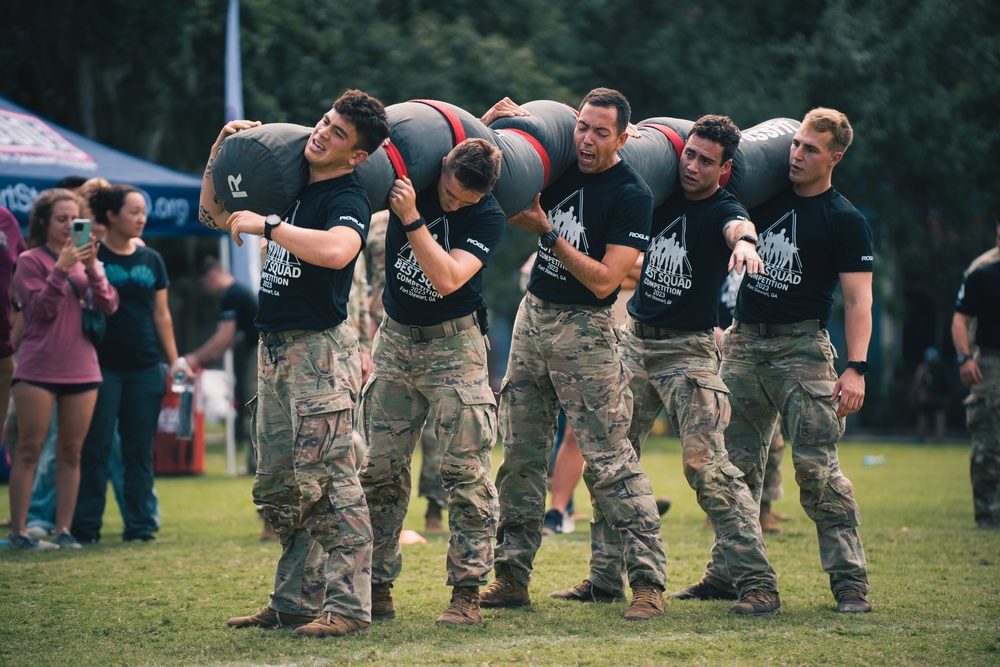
(768, 522)
(757, 602)
(269, 618)
(464, 607)
(504, 591)
(433, 525)
(647, 601)
(330, 624)
(383, 608)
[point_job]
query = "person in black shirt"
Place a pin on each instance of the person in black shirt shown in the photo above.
(777, 359)
(235, 330)
(429, 363)
(669, 345)
(979, 298)
(308, 373)
(592, 224)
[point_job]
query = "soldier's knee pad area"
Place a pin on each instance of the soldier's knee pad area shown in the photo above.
(714, 486)
(827, 498)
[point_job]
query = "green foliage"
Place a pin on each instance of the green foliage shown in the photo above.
(934, 576)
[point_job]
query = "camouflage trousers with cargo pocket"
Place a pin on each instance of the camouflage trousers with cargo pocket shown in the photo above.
(982, 415)
(569, 356)
(443, 381)
(792, 377)
(681, 374)
(307, 482)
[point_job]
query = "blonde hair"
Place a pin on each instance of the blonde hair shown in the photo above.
(822, 119)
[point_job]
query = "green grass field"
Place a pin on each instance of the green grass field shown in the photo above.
(935, 578)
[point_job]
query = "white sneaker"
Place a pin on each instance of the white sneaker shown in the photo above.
(568, 524)
(38, 532)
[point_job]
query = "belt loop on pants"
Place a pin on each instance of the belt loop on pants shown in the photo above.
(443, 330)
(790, 329)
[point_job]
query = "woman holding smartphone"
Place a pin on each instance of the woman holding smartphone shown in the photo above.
(57, 364)
(134, 379)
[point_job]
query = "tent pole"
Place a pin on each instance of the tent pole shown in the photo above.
(227, 366)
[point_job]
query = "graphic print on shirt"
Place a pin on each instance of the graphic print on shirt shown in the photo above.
(668, 269)
(779, 251)
(410, 277)
(139, 274)
(566, 218)
(280, 268)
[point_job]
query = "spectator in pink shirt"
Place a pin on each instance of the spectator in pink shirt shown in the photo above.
(57, 363)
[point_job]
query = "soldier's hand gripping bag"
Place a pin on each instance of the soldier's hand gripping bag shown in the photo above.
(262, 169)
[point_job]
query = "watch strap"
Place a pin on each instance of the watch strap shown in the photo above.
(548, 239)
(414, 226)
(748, 239)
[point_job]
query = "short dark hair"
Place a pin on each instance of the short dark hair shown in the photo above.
(719, 130)
(108, 198)
(367, 115)
(208, 264)
(41, 213)
(610, 98)
(71, 182)
(475, 163)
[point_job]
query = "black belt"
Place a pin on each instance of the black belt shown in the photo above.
(443, 330)
(791, 329)
(542, 303)
(286, 336)
(645, 331)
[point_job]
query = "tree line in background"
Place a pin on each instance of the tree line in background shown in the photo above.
(920, 80)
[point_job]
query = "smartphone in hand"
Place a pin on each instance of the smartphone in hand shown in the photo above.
(81, 231)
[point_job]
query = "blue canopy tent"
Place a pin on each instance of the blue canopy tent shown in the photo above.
(35, 154)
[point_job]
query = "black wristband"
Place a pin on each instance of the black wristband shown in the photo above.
(414, 226)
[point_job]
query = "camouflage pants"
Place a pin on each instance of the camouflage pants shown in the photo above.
(430, 486)
(794, 376)
(443, 381)
(772, 469)
(306, 483)
(982, 415)
(569, 357)
(681, 374)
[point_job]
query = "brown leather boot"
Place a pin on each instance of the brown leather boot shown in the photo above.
(269, 618)
(464, 607)
(757, 602)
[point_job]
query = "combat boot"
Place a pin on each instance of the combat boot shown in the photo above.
(853, 602)
(647, 601)
(757, 602)
(433, 525)
(504, 591)
(464, 607)
(330, 624)
(270, 618)
(702, 590)
(768, 522)
(586, 591)
(382, 606)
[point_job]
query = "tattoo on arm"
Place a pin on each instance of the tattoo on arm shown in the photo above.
(208, 170)
(734, 230)
(205, 218)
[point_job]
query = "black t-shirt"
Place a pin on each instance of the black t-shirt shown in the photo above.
(239, 304)
(686, 262)
(805, 243)
(131, 343)
(979, 297)
(409, 296)
(298, 295)
(591, 211)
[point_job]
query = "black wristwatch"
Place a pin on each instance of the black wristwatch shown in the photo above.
(748, 239)
(548, 239)
(860, 366)
(414, 226)
(270, 222)
(962, 358)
